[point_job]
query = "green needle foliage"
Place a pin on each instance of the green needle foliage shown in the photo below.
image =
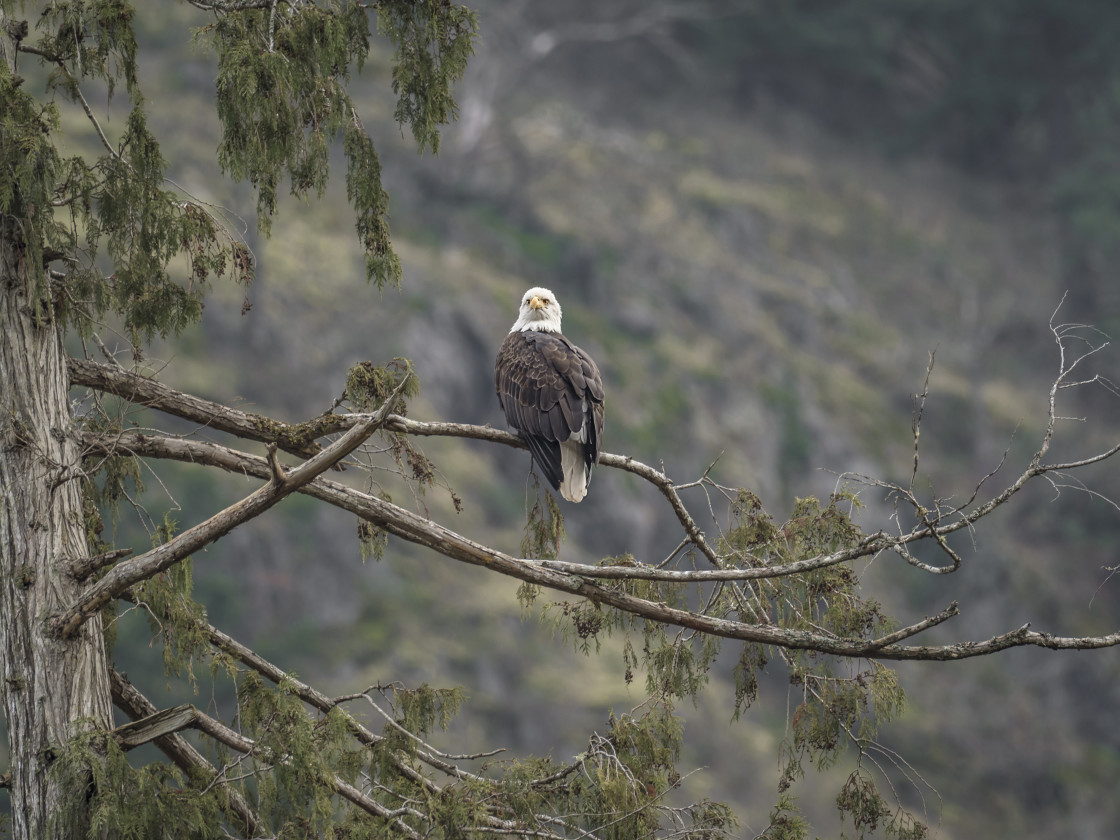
(117, 204)
(283, 101)
(842, 701)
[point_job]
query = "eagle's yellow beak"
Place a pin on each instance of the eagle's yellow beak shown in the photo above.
(537, 303)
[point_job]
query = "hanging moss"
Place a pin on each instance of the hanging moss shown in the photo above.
(130, 803)
(544, 526)
(369, 385)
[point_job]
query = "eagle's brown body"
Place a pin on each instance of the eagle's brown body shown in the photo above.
(552, 395)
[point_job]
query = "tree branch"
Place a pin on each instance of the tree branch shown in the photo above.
(299, 439)
(319, 701)
(579, 580)
(416, 529)
(181, 753)
(932, 523)
(83, 567)
(639, 571)
(77, 92)
(163, 556)
(228, 6)
(162, 723)
(296, 439)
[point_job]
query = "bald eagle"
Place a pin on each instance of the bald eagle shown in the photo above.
(552, 395)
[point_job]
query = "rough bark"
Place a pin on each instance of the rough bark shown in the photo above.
(51, 687)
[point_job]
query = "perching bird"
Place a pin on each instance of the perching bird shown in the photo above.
(552, 395)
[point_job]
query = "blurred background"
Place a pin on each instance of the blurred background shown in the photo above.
(760, 217)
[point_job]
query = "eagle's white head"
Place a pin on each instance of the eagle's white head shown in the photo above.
(539, 311)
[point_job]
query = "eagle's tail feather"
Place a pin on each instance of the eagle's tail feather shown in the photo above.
(573, 486)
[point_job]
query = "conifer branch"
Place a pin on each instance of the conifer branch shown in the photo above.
(324, 704)
(161, 724)
(134, 704)
(76, 91)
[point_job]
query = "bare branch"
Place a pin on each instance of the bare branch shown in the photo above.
(915, 629)
(917, 424)
(295, 439)
(638, 571)
(1016, 638)
(933, 524)
(1084, 462)
(83, 567)
(903, 551)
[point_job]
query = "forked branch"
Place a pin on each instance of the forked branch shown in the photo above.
(279, 485)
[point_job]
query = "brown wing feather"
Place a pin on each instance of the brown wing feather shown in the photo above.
(545, 384)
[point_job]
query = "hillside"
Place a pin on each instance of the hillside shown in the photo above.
(761, 294)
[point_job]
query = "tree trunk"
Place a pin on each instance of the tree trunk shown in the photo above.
(51, 688)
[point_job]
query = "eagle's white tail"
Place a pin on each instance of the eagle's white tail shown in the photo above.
(573, 487)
